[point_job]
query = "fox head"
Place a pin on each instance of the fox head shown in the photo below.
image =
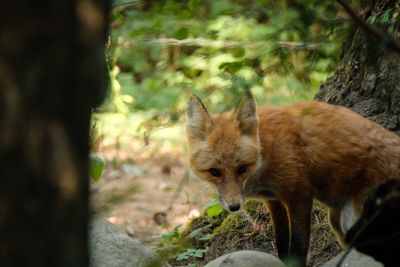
(224, 149)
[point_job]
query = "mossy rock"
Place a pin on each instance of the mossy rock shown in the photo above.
(249, 228)
(246, 229)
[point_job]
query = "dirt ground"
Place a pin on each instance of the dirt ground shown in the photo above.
(141, 185)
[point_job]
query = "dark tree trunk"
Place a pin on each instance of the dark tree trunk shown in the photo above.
(367, 77)
(52, 72)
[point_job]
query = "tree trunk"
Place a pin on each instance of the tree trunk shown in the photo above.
(52, 72)
(367, 77)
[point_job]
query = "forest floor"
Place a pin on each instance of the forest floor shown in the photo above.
(142, 184)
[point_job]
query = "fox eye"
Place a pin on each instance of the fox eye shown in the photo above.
(215, 172)
(242, 169)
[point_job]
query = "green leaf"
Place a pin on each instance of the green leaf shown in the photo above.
(231, 67)
(206, 237)
(191, 252)
(238, 52)
(213, 208)
(372, 19)
(96, 167)
(182, 33)
(214, 211)
(168, 237)
(196, 232)
(213, 202)
(385, 18)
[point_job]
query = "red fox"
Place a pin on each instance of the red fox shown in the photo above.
(288, 156)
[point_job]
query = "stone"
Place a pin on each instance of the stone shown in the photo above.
(246, 258)
(110, 247)
(353, 259)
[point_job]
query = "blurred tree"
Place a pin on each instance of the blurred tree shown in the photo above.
(367, 76)
(281, 50)
(52, 72)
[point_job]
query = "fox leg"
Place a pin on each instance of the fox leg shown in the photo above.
(280, 224)
(299, 224)
(343, 218)
(351, 212)
(334, 222)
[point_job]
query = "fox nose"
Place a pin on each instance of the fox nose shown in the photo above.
(234, 207)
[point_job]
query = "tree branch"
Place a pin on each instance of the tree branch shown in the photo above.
(202, 42)
(388, 41)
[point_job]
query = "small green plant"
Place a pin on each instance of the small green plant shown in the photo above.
(214, 208)
(96, 168)
(191, 252)
(188, 247)
(382, 18)
(170, 236)
(206, 237)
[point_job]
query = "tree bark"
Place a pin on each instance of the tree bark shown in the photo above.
(367, 77)
(52, 72)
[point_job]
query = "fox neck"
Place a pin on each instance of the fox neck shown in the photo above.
(257, 186)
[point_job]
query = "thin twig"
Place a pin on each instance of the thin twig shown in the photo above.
(178, 190)
(389, 41)
(125, 4)
(201, 42)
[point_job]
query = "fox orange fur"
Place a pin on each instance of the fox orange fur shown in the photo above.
(288, 156)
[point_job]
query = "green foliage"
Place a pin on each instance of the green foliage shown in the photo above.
(205, 237)
(161, 51)
(170, 236)
(188, 247)
(191, 252)
(213, 208)
(180, 244)
(382, 18)
(96, 167)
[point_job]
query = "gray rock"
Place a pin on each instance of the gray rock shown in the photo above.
(109, 247)
(353, 259)
(246, 258)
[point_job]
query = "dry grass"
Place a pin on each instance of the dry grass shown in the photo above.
(323, 245)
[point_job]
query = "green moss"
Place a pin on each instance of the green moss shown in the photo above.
(237, 220)
(250, 229)
(232, 222)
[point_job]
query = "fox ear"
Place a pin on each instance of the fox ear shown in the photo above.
(246, 115)
(198, 119)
